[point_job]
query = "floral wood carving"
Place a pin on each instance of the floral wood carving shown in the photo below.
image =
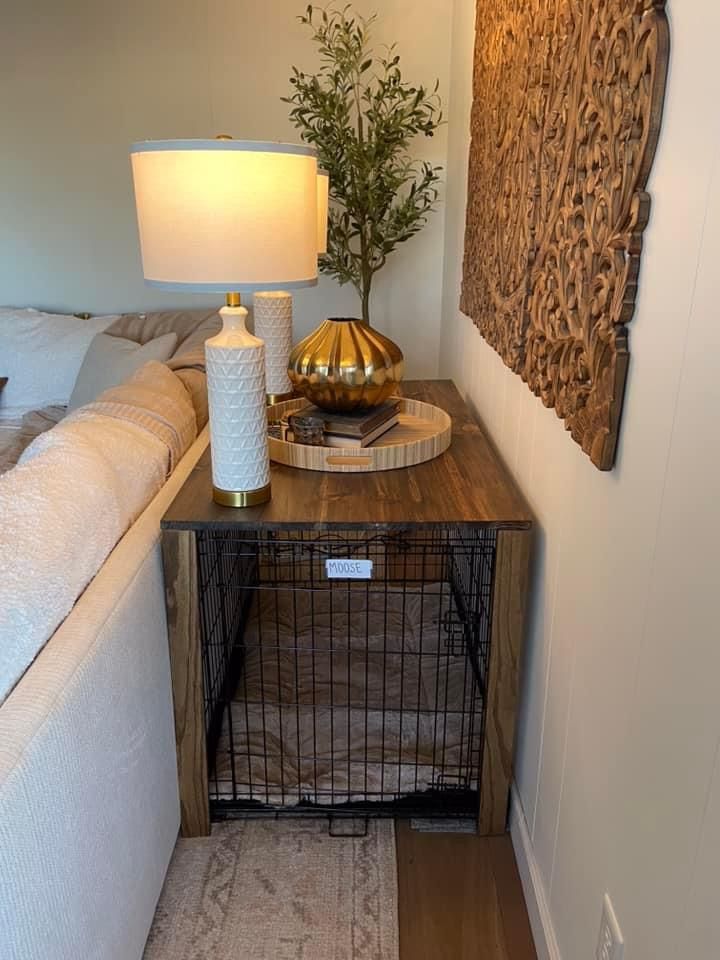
(567, 105)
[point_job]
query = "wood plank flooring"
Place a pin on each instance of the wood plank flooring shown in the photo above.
(460, 898)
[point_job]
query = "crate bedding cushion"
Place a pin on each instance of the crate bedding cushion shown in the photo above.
(345, 697)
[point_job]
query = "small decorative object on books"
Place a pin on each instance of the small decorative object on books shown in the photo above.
(221, 216)
(345, 365)
(362, 117)
(307, 429)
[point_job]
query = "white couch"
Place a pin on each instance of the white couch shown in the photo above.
(89, 808)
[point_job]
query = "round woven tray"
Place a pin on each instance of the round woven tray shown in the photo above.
(423, 433)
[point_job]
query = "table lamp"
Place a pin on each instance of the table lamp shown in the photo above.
(273, 312)
(323, 203)
(225, 216)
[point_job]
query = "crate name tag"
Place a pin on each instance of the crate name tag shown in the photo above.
(349, 569)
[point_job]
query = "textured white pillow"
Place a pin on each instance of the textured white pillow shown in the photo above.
(40, 354)
(111, 360)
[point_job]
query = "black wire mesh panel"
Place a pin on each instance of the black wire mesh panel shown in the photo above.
(356, 688)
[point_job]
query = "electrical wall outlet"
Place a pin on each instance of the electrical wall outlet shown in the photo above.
(611, 945)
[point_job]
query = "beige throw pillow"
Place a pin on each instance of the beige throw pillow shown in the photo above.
(111, 360)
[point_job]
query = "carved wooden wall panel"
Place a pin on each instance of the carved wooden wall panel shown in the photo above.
(567, 105)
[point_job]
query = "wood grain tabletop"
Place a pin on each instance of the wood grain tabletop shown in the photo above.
(467, 484)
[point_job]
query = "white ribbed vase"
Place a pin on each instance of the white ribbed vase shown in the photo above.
(238, 413)
(273, 324)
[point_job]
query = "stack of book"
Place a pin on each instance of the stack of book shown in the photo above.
(355, 429)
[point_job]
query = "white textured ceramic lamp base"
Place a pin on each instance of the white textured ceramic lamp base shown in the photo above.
(238, 412)
(273, 324)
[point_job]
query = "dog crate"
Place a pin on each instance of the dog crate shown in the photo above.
(345, 672)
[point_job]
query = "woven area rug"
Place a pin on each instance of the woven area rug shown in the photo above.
(279, 890)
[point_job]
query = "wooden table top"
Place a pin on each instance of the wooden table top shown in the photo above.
(467, 484)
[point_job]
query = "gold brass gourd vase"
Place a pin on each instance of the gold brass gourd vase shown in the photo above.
(345, 365)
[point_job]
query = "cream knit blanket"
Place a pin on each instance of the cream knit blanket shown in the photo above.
(154, 399)
(74, 493)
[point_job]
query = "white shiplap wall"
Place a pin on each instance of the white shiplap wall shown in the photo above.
(617, 765)
(80, 81)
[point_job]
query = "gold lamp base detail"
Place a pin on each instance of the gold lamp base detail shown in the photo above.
(242, 498)
(273, 398)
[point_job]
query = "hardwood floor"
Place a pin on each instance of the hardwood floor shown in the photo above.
(460, 898)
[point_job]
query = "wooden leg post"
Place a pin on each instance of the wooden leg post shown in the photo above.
(181, 591)
(509, 603)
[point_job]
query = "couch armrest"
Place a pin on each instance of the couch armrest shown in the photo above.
(88, 786)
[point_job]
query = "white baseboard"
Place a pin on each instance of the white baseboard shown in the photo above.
(532, 883)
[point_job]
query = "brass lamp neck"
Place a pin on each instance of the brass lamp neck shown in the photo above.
(233, 300)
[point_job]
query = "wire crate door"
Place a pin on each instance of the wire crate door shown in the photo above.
(363, 693)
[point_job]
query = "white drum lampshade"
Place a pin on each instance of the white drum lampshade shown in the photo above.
(273, 312)
(223, 216)
(323, 203)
